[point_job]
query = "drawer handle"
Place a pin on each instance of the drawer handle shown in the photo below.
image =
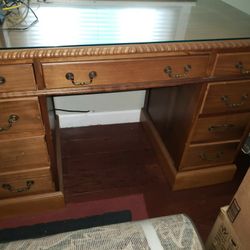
(226, 100)
(70, 76)
(222, 127)
(243, 71)
(8, 187)
(2, 80)
(12, 119)
(205, 157)
(168, 70)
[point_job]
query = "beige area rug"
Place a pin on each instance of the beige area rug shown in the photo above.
(169, 232)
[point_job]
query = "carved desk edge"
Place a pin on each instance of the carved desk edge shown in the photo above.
(128, 49)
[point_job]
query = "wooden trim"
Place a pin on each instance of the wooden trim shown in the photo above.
(112, 50)
(49, 138)
(194, 120)
(38, 74)
(243, 139)
(58, 154)
(31, 204)
(211, 143)
(185, 179)
(146, 99)
(204, 177)
(101, 88)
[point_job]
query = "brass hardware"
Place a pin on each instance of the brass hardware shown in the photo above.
(168, 70)
(241, 68)
(205, 157)
(70, 76)
(222, 127)
(8, 187)
(2, 80)
(12, 119)
(226, 100)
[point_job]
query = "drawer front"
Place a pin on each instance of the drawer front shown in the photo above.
(17, 78)
(209, 155)
(232, 64)
(23, 154)
(63, 75)
(227, 97)
(25, 183)
(226, 127)
(20, 118)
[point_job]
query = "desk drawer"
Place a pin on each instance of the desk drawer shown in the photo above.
(17, 78)
(69, 74)
(220, 128)
(20, 118)
(208, 155)
(23, 154)
(232, 64)
(227, 97)
(14, 184)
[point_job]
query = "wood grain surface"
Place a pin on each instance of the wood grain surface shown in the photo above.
(124, 71)
(18, 181)
(29, 122)
(236, 92)
(24, 153)
(220, 128)
(17, 78)
(226, 64)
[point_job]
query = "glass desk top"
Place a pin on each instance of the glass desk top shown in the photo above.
(79, 22)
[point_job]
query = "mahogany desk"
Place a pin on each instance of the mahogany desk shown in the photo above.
(196, 111)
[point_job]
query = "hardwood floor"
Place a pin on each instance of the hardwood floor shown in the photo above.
(115, 160)
(105, 161)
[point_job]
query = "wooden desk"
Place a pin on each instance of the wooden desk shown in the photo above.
(196, 111)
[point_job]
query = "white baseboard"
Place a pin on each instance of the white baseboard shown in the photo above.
(99, 118)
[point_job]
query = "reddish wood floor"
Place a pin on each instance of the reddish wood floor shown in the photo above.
(115, 160)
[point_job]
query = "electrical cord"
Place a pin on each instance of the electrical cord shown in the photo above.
(13, 11)
(72, 111)
(17, 20)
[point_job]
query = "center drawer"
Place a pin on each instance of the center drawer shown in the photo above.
(70, 74)
(20, 118)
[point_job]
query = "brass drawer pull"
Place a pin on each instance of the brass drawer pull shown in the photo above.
(8, 187)
(12, 119)
(168, 70)
(241, 68)
(222, 127)
(205, 157)
(70, 76)
(226, 100)
(2, 80)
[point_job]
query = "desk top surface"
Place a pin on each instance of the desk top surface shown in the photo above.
(77, 23)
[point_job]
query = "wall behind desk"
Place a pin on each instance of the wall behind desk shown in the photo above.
(105, 108)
